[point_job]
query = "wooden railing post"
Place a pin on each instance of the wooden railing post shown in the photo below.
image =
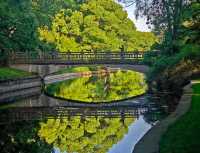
(68, 55)
(95, 55)
(108, 55)
(82, 54)
(122, 55)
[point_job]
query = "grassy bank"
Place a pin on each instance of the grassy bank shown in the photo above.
(183, 136)
(10, 73)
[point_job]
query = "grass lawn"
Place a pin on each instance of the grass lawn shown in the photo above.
(184, 135)
(10, 73)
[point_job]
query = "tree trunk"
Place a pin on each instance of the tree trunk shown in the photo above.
(177, 17)
(170, 27)
(3, 58)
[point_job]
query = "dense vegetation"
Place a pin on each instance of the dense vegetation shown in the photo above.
(19, 22)
(21, 137)
(96, 25)
(99, 25)
(186, 44)
(74, 25)
(84, 135)
(101, 88)
(183, 136)
(176, 22)
(180, 60)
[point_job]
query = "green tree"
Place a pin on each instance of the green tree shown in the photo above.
(99, 25)
(45, 10)
(19, 22)
(18, 27)
(165, 16)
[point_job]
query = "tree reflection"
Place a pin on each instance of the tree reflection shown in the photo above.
(21, 137)
(113, 86)
(84, 135)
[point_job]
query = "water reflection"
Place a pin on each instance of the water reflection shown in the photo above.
(88, 135)
(42, 124)
(72, 129)
(100, 88)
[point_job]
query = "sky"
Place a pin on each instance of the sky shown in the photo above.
(139, 23)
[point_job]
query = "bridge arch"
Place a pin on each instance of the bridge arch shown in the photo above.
(44, 70)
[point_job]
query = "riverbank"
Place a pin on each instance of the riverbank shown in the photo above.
(74, 72)
(12, 80)
(183, 136)
(150, 141)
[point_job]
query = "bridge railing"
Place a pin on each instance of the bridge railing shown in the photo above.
(75, 57)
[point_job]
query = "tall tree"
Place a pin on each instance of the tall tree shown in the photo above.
(18, 26)
(45, 10)
(19, 22)
(165, 15)
(98, 25)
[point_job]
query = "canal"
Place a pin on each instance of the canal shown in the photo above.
(100, 110)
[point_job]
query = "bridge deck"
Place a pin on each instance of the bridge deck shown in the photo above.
(76, 58)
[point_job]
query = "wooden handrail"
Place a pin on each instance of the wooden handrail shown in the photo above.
(75, 57)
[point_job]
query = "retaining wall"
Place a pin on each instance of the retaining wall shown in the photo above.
(20, 84)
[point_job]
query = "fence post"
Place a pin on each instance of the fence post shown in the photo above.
(68, 55)
(122, 55)
(82, 54)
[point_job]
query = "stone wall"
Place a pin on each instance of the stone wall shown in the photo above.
(20, 84)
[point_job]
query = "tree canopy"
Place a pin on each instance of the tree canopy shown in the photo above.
(18, 26)
(19, 22)
(98, 25)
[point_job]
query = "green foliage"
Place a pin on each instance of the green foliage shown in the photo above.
(84, 135)
(19, 22)
(45, 10)
(18, 26)
(102, 88)
(99, 25)
(187, 43)
(21, 137)
(10, 73)
(183, 136)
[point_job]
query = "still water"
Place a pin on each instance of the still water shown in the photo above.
(73, 129)
(43, 124)
(102, 87)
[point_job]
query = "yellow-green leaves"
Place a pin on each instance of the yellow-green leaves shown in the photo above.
(103, 88)
(98, 25)
(83, 135)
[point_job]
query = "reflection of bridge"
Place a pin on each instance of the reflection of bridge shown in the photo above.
(38, 113)
(42, 107)
(76, 58)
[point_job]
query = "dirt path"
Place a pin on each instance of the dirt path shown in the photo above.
(150, 142)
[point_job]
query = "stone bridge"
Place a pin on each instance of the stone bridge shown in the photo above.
(47, 63)
(71, 58)
(44, 70)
